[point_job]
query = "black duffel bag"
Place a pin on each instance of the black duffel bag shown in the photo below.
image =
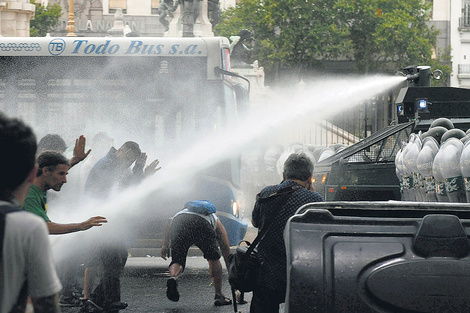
(243, 268)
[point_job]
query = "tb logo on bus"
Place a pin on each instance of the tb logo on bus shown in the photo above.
(56, 46)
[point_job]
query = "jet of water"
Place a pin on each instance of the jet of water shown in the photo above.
(316, 101)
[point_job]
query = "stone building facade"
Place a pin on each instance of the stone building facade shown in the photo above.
(96, 17)
(15, 17)
(452, 19)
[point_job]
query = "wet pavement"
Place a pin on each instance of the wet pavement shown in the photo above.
(143, 287)
(148, 286)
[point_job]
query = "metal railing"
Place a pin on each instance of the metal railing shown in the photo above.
(464, 21)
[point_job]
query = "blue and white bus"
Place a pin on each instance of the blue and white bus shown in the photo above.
(163, 93)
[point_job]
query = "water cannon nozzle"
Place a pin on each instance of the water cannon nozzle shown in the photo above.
(412, 77)
(418, 76)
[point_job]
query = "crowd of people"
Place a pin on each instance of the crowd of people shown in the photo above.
(29, 275)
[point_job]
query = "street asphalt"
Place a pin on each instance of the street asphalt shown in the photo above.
(143, 285)
(142, 265)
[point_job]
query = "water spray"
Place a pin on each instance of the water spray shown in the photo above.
(316, 102)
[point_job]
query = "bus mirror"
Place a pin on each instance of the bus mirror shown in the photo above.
(243, 98)
(219, 71)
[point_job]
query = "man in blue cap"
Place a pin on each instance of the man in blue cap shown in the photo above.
(197, 225)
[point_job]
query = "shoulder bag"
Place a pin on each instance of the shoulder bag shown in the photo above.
(244, 264)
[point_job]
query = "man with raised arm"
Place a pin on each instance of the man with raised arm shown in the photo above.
(52, 171)
(118, 169)
(26, 267)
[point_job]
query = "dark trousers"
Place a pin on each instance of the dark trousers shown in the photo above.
(112, 259)
(70, 274)
(266, 301)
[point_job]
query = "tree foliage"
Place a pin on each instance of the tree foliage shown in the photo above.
(388, 32)
(288, 33)
(46, 18)
(375, 34)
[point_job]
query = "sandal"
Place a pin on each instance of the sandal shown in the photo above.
(220, 300)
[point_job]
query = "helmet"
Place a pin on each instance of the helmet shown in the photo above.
(417, 140)
(326, 153)
(450, 158)
(450, 168)
(453, 133)
(410, 156)
(436, 167)
(424, 161)
(465, 160)
(399, 166)
(444, 122)
(432, 143)
(465, 139)
(435, 132)
(316, 153)
(337, 147)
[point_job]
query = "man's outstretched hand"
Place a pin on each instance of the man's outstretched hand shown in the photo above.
(79, 153)
(94, 221)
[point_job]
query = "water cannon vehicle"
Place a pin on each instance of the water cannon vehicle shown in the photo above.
(355, 253)
(422, 156)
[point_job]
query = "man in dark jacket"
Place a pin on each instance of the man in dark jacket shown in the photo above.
(271, 286)
(110, 174)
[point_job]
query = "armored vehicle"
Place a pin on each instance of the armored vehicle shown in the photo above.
(376, 168)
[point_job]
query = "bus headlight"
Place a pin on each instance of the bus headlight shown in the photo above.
(235, 209)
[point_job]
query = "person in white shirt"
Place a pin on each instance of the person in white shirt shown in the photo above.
(26, 265)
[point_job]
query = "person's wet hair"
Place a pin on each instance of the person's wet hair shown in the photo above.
(17, 159)
(298, 166)
(52, 142)
(132, 146)
(50, 159)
